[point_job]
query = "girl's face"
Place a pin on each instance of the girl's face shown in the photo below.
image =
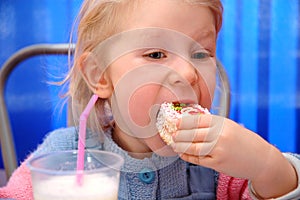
(165, 54)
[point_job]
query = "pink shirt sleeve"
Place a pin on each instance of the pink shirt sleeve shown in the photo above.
(19, 185)
(232, 188)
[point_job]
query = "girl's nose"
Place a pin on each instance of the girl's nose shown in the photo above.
(184, 73)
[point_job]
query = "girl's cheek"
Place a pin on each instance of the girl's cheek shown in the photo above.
(207, 84)
(141, 102)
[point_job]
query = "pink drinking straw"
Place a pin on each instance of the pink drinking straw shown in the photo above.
(81, 142)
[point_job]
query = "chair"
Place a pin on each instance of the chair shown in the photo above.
(6, 135)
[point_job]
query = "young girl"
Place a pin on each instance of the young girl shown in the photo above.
(135, 55)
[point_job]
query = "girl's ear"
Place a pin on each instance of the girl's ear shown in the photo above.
(95, 76)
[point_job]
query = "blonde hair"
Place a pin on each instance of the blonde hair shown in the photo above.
(97, 21)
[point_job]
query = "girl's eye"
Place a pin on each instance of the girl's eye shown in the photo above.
(156, 55)
(200, 55)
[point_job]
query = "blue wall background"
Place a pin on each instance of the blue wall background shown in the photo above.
(32, 103)
(259, 46)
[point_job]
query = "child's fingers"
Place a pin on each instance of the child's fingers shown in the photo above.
(194, 121)
(194, 135)
(206, 161)
(194, 149)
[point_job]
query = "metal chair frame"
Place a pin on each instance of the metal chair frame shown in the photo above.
(6, 136)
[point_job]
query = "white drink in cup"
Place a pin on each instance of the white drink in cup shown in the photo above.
(54, 176)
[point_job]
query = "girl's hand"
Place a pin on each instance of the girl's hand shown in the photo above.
(220, 143)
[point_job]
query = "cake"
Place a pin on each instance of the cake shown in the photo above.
(170, 113)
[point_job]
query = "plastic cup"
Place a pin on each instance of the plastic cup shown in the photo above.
(54, 175)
